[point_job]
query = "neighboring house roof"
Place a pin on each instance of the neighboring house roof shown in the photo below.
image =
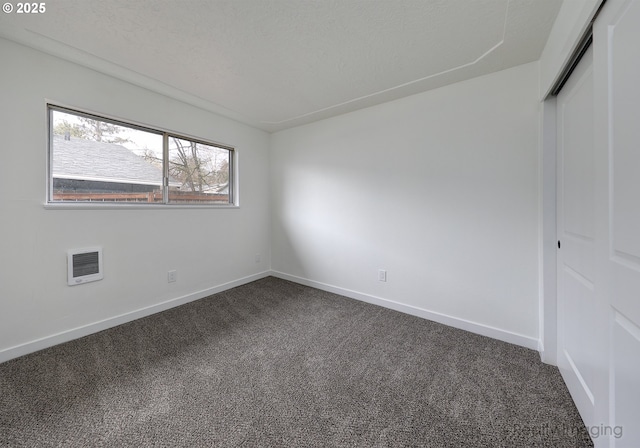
(99, 161)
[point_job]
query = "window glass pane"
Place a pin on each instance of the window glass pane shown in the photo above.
(198, 173)
(98, 161)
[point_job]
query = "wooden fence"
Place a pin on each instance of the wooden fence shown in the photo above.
(149, 197)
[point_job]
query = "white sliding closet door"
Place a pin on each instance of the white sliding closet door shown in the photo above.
(617, 101)
(576, 234)
(598, 185)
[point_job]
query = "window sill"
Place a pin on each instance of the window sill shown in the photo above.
(107, 206)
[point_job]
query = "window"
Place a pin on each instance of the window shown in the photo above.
(93, 159)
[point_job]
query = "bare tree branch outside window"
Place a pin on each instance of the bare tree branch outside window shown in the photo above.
(200, 168)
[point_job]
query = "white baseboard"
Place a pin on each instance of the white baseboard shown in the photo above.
(85, 330)
(463, 324)
(547, 357)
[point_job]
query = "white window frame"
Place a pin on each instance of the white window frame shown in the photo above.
(166, 134)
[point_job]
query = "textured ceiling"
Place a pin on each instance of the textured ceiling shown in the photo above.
(275, 64)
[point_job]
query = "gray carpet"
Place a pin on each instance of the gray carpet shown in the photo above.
(273, 363)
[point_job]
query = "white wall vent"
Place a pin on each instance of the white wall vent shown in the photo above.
(84, 265)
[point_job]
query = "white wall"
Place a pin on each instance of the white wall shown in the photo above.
(209, 248)
(440, 189)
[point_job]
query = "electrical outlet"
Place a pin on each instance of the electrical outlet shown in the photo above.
(258, 258)
(382, 275)
(172, 276)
